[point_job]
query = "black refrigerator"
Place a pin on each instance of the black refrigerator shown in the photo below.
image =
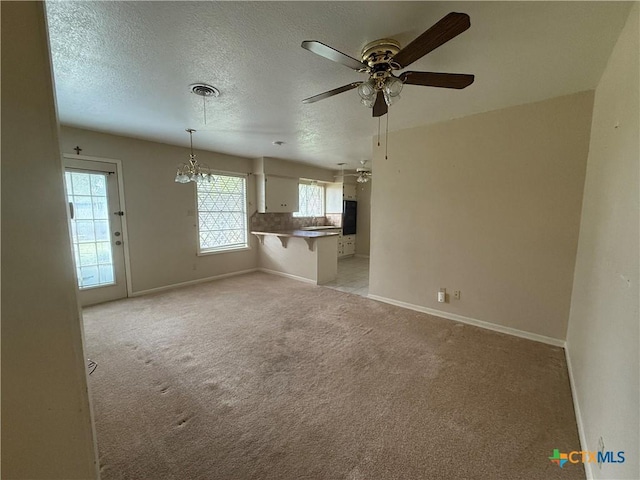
(349, 216)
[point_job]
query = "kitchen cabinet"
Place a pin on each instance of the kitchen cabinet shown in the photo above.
(277, 194)
(340, 246)
(344, 246)
(348, 245)
(349, 191)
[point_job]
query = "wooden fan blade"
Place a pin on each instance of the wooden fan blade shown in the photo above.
(332, 54)
(331, 93)
(380, 107)
(447, 28)
(432, 79)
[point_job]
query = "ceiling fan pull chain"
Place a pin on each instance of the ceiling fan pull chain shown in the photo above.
(379, 120)
(386, 140)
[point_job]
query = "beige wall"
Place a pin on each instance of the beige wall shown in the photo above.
(603, 333)
(363, 227)
(489, 205)
(159, 212)
(46, 423)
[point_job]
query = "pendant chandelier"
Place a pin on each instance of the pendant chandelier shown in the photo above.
(193, 171)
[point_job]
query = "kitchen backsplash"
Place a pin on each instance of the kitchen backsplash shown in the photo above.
(264, 222)
(334, 219)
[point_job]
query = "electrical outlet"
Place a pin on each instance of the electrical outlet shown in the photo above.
(456, 294)
(600, 452)
(442, 295)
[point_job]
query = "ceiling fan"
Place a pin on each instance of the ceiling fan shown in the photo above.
(381, 57)
(363, 173)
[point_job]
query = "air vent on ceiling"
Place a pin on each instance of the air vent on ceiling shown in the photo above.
(204, 90)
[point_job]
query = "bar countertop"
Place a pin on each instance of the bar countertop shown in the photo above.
(298, 233)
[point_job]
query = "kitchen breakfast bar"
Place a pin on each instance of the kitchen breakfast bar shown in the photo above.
(308, 255)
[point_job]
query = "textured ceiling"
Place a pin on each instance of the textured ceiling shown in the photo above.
(125, 68)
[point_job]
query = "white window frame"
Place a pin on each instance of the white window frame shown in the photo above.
(214, 251)
(324, 200)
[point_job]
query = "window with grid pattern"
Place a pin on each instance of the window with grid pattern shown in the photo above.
(222, 213)
(311, 200)
(90, 229)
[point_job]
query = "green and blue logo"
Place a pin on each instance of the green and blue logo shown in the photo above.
(561, 459)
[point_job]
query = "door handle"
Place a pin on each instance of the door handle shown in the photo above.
(71, 210)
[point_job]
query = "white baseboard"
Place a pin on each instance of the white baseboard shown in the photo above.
(556, 342)
(287, 275)
(191, 282)
(576, 406)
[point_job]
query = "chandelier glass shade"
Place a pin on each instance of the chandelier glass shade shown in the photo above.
(192, 171)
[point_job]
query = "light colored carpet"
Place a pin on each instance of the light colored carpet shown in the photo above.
(261, 377)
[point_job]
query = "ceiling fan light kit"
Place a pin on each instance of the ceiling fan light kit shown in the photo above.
(378, 56)
(382, 57)
(389, 86)
(363, 178)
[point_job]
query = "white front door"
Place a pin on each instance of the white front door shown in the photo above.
(96, 230)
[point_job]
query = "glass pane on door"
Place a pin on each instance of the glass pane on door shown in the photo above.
(90, 230)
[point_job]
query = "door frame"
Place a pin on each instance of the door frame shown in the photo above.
(120, 182)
